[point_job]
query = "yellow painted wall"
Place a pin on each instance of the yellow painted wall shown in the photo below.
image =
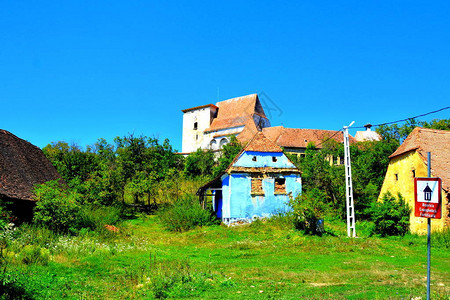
(400, 178)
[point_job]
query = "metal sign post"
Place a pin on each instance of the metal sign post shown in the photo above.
(428, 203)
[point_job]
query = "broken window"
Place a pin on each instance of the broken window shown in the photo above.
(280, 186)
(257, 186)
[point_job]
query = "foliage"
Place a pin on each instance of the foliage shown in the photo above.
(199, 163)
(63, 210)
(391, 215)
(308, 209)
(56, 208)
(229, 152)
(441, 124)
(185, 214)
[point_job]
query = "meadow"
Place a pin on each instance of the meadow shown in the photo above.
(140, 259)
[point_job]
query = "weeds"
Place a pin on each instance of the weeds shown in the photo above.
(185, 214)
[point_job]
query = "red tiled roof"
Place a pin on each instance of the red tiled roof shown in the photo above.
(198, 107)
(236, 112)
(299, 138)
(430, 140)
(22, 166)
(260, 143)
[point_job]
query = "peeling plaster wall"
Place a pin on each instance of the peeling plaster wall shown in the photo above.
(400, 179)
(238, 201)
(263, 159)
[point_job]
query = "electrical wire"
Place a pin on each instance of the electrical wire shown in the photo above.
(381, 124)
(404, 120)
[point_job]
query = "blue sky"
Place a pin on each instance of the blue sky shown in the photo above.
(81, 70)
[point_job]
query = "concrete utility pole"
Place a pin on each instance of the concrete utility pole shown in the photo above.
(351, 232)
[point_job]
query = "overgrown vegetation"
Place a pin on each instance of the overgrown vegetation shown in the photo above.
(184, 214)
(90, 225)
(391, 215)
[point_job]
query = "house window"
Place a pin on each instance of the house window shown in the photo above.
(254, 158)
(196, 136)
(195, 125)
(257, 186)
(213, 145)
(223, 142)
(280, 186)
(413, 173)
(274, 159)
(396, 177)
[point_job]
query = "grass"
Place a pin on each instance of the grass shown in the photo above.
(258, 261)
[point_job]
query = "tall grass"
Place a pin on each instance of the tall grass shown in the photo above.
(185, 214)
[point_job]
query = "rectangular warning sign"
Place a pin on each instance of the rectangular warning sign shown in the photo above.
(427, 193)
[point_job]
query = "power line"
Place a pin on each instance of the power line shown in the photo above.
(317, 146)
(387, 123)
(404, 120)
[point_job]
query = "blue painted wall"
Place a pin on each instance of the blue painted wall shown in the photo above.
(238, 203)
(263, 159)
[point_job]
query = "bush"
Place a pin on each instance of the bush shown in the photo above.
(308, 209)
(185, 214)
(62, 211)
(56, 208)
(391, 215)
(96, 217)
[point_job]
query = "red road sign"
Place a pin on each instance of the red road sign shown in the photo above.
(428, 199)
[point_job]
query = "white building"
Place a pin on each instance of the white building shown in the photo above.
(211, 126)
(367, 135)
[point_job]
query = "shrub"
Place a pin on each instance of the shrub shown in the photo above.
(185, 214)
(56, 208)
(96, 217)
(308, 209)
(391, 215)
(33, 254)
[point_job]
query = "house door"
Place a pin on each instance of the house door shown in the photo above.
(218, 204)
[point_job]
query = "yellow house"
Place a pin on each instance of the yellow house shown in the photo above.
(410, 161)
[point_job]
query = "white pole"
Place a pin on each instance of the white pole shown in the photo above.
(348, 185)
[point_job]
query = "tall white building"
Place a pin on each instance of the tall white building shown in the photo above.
(211, 126)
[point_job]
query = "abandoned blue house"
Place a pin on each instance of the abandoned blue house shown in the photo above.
(257, 184)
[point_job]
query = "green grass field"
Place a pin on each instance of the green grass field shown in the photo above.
(258, 261)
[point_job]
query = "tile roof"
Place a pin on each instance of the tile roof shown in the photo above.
(236, 112)
(22, 166)
(260, 143)
(299, 138)
(430, 140)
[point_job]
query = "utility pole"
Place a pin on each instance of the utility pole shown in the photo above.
(349, 186)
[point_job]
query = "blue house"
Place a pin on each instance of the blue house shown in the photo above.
(257, 184)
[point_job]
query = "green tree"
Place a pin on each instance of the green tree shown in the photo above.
(391, 215)
(199, 163)
(228, 153)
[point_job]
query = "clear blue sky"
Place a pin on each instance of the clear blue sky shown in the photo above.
(82, 70)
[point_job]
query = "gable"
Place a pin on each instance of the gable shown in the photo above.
(252, 159)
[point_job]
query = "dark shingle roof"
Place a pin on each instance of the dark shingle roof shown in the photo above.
(22, 166)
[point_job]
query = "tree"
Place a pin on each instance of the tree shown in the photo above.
(229, 152)
(199, 163)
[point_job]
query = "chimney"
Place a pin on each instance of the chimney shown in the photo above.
(368, 126)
